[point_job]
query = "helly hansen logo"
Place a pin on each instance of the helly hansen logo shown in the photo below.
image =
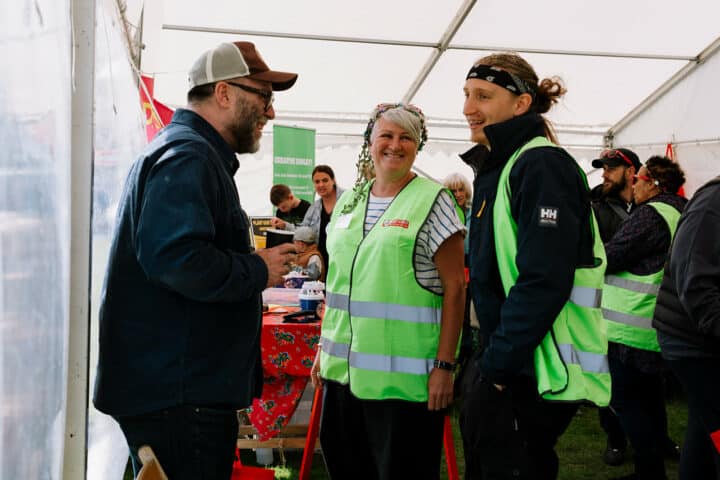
(548, 216)
(396, 223)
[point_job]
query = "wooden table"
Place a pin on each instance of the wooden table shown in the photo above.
(288, 351)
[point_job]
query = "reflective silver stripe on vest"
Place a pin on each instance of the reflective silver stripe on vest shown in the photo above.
(627, 319)
(334, 349)
(337, 301)
(632, 285)
(589, 362)
(586, 296)
(382, 363)
(385, 363)
(391, 311)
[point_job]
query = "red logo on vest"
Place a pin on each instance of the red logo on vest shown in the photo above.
(396, 223)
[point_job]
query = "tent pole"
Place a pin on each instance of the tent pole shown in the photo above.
(445, 40)
(81, 165)
(708, 52)
(462, 12)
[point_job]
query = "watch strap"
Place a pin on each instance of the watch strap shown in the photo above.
(443, 365)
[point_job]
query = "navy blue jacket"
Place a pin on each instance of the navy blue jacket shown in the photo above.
(181, 306)
(512, 327)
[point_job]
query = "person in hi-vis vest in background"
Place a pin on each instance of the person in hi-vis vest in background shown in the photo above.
(394, 304)
(636, 256)
(536, 273)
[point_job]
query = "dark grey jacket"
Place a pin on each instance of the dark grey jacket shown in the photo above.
(688, 304)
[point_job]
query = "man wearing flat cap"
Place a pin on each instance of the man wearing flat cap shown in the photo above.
(181, 306)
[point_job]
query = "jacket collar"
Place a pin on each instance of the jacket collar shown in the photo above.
(505, 138)
(194, 121)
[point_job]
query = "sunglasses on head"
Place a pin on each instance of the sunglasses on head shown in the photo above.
(616, 154)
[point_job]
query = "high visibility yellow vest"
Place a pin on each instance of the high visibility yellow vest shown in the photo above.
(381, 327)
(628, 301)
(571, 361)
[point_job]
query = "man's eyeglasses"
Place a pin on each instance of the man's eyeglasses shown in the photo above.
(268, 97)
(616, 154)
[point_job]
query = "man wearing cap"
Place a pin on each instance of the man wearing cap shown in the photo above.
(181, 306)
(612, 202)
(308, 255)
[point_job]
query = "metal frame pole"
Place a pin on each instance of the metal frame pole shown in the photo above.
(81, 171)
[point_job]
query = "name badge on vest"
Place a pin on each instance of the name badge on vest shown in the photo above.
(343, 221)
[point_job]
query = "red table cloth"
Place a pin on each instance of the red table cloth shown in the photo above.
(288, 352)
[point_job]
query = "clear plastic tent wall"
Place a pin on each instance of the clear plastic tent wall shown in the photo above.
(119, 137)
(35, 136)
(34, 235)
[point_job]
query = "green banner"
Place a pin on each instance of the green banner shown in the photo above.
(294, 159)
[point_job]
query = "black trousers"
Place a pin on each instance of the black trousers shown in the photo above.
(511, 434)
(612, 427)
(379, 439)
(700, 458)
(190, 442)
(638, 398)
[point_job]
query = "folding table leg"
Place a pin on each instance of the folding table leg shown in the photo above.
(450, 456)
(312, 435)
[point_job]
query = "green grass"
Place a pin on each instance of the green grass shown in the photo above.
(580, 450)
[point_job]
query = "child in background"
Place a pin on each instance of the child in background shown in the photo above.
(290, 209)
(308, 255)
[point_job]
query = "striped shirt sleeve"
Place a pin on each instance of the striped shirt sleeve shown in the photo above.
(442, 222)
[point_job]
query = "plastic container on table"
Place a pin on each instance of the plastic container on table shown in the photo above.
(311, 295)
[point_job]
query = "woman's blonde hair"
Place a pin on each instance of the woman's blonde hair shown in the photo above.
(457, 180)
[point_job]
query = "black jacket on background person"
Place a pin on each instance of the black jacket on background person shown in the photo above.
(608, 212)
(511, 328)
(688, 304)
(181, 308)
(296, 215)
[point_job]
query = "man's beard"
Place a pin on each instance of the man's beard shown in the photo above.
(614, 188)
(246, 122)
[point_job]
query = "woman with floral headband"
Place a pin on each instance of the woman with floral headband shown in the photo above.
(395, 294)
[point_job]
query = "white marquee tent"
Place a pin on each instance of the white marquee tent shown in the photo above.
(639, 74)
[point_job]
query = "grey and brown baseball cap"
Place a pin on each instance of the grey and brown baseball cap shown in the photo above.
(233, 60)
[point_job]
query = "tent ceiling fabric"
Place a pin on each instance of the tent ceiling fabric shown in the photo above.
(611, 55)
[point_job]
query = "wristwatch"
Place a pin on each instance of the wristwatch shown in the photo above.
(443, 365)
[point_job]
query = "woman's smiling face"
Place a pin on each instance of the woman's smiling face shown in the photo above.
(393, 150)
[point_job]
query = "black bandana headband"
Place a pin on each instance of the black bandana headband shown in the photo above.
(502, 78)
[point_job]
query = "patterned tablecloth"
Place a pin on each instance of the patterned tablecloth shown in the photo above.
(288, 351)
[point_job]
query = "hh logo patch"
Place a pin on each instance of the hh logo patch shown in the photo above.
(548, 216)
(396, 223)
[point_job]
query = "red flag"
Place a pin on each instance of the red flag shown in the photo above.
(155, 118)
(670, 153)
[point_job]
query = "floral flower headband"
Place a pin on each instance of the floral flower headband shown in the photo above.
(365, 167)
